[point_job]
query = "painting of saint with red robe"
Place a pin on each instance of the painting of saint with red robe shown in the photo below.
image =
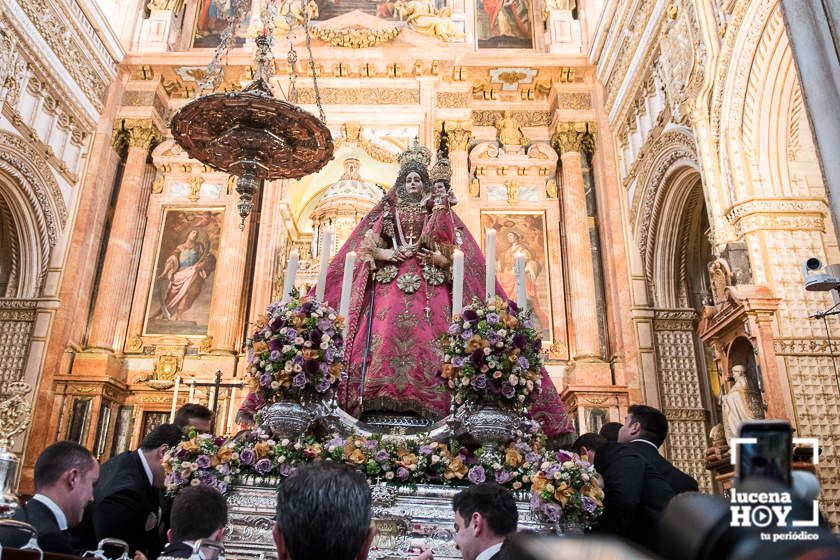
(503, 24)
(211, 20)
(182, 287)
(523, 233)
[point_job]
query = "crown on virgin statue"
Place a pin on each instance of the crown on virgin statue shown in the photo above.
(416, 154)
(441, 170)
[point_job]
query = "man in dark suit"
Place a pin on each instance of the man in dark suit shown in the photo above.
(485, 515)
(324, 511)
(64, 476)
(126, 502)
(198, 512)
(193, 415)
(645, 428)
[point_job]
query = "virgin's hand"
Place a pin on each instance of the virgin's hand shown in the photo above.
(428, 257)
(426, 555)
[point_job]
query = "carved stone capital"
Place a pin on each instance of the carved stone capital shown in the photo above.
(573, 137)
(459, 137)
(138, 133)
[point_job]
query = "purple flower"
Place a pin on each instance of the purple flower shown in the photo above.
(537, 346)
(207, 479)
(476, 474)
(181, 453)
(469, 315)
(285, 469)
(512, 307)
(507, 390)
(479, 381)
(402, 472)
(324, 324)
(553, 512)
(250, 355)
(276, 324)
(492, 318)
(203, 461)
(311, 366)
(493, 338)
(275, 356)
(458, 361)
(329, 355)
(307, 307)
(532, 457)
(174, 477)
(222, 487)
(477, 357)
(336, 442)
(224, 469)
(263, 466)
(291, 334)
(371, 444)
(519, 341)
(381, 456)
(503, 476)
(562, 456)
(247, 456)
(299, 380)
(425, 450)
(323, 386)
(275, 344)
(523, 362)
(588, 504)
(536, 502)
(454, 328)
(265, 380)
(315, 336)
(467, 334)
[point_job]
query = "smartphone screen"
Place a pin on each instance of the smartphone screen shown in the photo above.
(771, 454)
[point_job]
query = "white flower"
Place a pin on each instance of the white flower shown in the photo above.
(299, 340)
(435, 459)
(195, 482)
(307, 344)
(227, 479)
(194, 466)
(466, 324)
(331, 317)
(282, 459)
(275, 385)
(487, 351)
(389, 475)
(297, 368)
(584, 476)
(284, 442)
(465, 381)
(324, 345)
(557, 475)
(501, 332)
(288, 366)
(286, 348)
(325, 338)
(520, 398)
(497, 466)
(569, 465)
(513, 380)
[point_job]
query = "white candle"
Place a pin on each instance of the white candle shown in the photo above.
(326, 249)
(519, 275)
(457, 281)
(192, 389)
(175, 398)
(291, 272)
(346, 285)
(231, 415)
(490, 265)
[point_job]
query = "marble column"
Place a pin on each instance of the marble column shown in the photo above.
(569, 140)
(459, 138)
(115, 279)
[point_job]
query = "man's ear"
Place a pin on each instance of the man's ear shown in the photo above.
(477, 523)
(282, 553)
(161, 451)
(366, 544)
(72, 477)
(169, 535)
(218, 535)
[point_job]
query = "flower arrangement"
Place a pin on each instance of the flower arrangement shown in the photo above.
(492, 354)
(200, 459)
(296, 353)
(566, 490)
(563, 488)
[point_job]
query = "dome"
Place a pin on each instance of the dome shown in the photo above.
(351, 185)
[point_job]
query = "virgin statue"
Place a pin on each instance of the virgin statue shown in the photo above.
(401, 300)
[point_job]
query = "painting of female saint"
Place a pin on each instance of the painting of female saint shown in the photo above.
(523, 233)
(503, 24)
(182, 289)
(211, 21)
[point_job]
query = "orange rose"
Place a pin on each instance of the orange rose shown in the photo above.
(456, 469)
(474, 343)
(539, 483)
(224, 454)
(261, 321)
(563, 492)
(335, 372)
(513, 457)
(190, 445)
(593, 491)
(357, 457)
(260, 346)
(406, 458)
(446, 371)
(262, 449)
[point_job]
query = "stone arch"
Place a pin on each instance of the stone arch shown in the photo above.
(34, 213)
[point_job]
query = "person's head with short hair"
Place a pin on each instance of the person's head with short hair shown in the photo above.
(194, 415)
(198, 512)
(65, 472)
(610, 431)
(644, 422)
(324, 511)
(588, 444)
(484, 515)
(154, 446)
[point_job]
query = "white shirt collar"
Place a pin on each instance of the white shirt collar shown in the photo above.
(60, 518)
(146, 467)
(488, 553)
(647, 442)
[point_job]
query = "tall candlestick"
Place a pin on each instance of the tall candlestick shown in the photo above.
(457, 281)
(490, 264)
(291, 272)
(519, 275)
(175, 398)
(326, 249)
(230, 411)
(192, 389)
(346, 285)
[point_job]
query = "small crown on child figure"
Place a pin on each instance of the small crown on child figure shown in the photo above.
(416, 153)
(441, 170)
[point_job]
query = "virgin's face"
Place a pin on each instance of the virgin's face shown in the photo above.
(193, 235)
(413, 183)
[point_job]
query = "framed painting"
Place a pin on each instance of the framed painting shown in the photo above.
(211, 20)
(524, 232)
(503, 24)
(182, 286)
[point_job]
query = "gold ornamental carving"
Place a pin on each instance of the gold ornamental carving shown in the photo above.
(206, 345)
(574, 101)
(134, 344)
(138, 133)
(356, 37)
(571, 137)
(195, 188)
(157, 185)
(15, 413)
(551, 188)
(361, 96)
(524, 118)
(452, 99)
(512, 188)
(475, 187)
(509, 131)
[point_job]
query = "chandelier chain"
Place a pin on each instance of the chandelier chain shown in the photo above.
(321, 114)
(227, 39)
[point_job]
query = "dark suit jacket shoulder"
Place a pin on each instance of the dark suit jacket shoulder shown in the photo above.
(177, 550)
(679, 481)
(50, 537)
(635, 494)
(125, 505)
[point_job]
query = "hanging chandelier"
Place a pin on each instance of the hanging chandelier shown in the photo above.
(250, 133)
